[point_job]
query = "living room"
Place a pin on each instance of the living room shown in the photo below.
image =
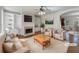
(37, 29)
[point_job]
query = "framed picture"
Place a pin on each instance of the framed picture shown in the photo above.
(48, 21)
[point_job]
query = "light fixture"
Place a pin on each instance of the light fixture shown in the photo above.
(41, 11)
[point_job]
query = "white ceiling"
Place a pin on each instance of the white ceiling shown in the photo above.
(35, 9)
(25, 9)
(73, 13)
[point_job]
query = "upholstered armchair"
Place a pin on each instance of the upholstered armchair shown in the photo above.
(58, 35)
(48, 32)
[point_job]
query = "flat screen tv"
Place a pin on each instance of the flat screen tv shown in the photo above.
(27, 18)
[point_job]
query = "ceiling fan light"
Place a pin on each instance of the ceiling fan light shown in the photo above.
(44, 13)
(41, 13)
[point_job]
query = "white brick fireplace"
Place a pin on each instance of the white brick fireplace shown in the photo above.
(28, 27)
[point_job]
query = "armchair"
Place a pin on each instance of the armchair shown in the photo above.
(59, 35)
(48, 32)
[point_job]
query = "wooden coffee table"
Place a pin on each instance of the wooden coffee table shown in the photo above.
(42, 39)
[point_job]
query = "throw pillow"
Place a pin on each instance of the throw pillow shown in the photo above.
(8, 39)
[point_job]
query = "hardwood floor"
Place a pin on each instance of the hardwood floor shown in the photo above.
(73, 49)
(22, 37)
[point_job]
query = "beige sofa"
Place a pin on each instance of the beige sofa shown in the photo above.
(4, 46)
(2, 38)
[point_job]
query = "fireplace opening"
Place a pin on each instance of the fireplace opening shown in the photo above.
(30, 30)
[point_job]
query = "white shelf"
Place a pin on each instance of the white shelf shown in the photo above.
(8, 20)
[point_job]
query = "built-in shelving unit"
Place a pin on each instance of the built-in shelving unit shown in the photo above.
(8, 21)
(12, 21)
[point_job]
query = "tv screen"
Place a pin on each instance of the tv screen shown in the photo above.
(27, 18)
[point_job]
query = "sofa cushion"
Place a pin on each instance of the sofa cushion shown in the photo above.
(10, 36)
(17, 43)
(8, 39)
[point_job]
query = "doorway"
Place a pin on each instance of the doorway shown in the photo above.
(62, 22)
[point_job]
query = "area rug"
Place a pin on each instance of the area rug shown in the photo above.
(56, 46)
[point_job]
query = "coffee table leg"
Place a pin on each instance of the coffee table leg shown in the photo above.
(43, 47)
(50, 42)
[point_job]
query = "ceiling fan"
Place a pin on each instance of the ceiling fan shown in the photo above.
(47, 9)
(42, 10)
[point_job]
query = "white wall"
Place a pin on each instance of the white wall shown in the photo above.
(1, 19)
(17, 17)
(56, 16)
(56, 19)
(18, 23)
(27, 24)
(38, 23)
(71, 21)
(19, 20)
